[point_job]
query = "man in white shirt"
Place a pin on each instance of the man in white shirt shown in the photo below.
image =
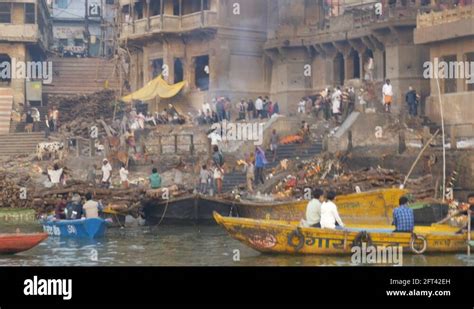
(313, 210)
(91, 208)
(259, 107)
(329, 214)
(124, 176)
(215, 138)
(387, 92)
(206, 107)
(302, 106)
(106, 173)
(336, 103)
(55, 175)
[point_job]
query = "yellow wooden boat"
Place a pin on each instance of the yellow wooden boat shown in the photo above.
(271, 236)
(366, 207)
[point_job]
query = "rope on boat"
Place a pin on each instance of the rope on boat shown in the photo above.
(296, 234)
(414, 238)
(164, 212)
(362, 237)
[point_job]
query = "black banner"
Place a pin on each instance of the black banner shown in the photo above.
(217, 285)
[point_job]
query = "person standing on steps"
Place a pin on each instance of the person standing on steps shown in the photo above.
(411, 98)
(218, 160)
(260, 162)
(387, 93)
(274, 144)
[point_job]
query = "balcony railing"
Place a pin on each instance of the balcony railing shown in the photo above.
(20, 33)
(355, 19)
(446, 16)
(169, 23)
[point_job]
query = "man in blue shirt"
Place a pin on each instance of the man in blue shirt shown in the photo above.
(403, 217)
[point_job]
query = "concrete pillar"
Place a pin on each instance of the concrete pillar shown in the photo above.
(18, 52)
(168, 60)
(378, 64)
(361, 65)
(189, 73)
(404, 69)
(348, 67)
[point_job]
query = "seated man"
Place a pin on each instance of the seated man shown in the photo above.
(465, 208)
(329, 213)
(313, 210)
(91, 207)
(155, 179)
(74, 208)
(59, 211)
(403, 217)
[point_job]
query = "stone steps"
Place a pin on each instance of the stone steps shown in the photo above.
(291, 151)
(20, 143)
(82, 76)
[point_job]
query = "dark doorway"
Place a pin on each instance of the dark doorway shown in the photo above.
(178, 71)
(202, 73)
(5, 70)
(157, 67)
(339, 74)
(176, 8)
(356, 62)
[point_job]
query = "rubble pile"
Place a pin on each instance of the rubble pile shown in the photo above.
(14, 191)
(44, 200)
(79, 113)
(329, 173)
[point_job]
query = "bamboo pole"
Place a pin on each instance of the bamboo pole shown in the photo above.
(443, 137)
(419, 156)
(469, 231)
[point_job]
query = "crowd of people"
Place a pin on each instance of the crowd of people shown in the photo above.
(33, 119)
(333, 103)
(222, 108)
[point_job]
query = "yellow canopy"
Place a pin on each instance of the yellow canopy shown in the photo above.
(155, 88)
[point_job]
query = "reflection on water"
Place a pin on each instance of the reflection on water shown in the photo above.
(179, 246)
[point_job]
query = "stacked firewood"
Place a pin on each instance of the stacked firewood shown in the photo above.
(79, 113)
(109, 197)
(15, 192)
(371, 179)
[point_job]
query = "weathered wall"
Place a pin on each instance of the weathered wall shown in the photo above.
(16, 51)
(457, 109)
(404, 67)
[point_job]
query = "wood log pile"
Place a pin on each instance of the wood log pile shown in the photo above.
(372, 179)
(79, 113)
(329, 172)
(163, 193)
(15, 192)
(115, 197)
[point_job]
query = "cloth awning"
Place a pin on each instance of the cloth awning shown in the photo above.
(155, 88)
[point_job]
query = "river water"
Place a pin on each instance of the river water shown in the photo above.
(179, 246)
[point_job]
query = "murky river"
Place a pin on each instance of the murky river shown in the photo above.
(178, 246)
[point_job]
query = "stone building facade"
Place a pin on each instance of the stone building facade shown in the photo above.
(70, 30)
(25, 35)
(449, 34)
(282, 48)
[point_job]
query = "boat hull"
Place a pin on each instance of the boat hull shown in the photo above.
(15, 243)
(87, 228)
(270, 236)
(366, 207)
(193, 209)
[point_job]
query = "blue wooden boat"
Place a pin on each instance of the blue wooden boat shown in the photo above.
(85, 228)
